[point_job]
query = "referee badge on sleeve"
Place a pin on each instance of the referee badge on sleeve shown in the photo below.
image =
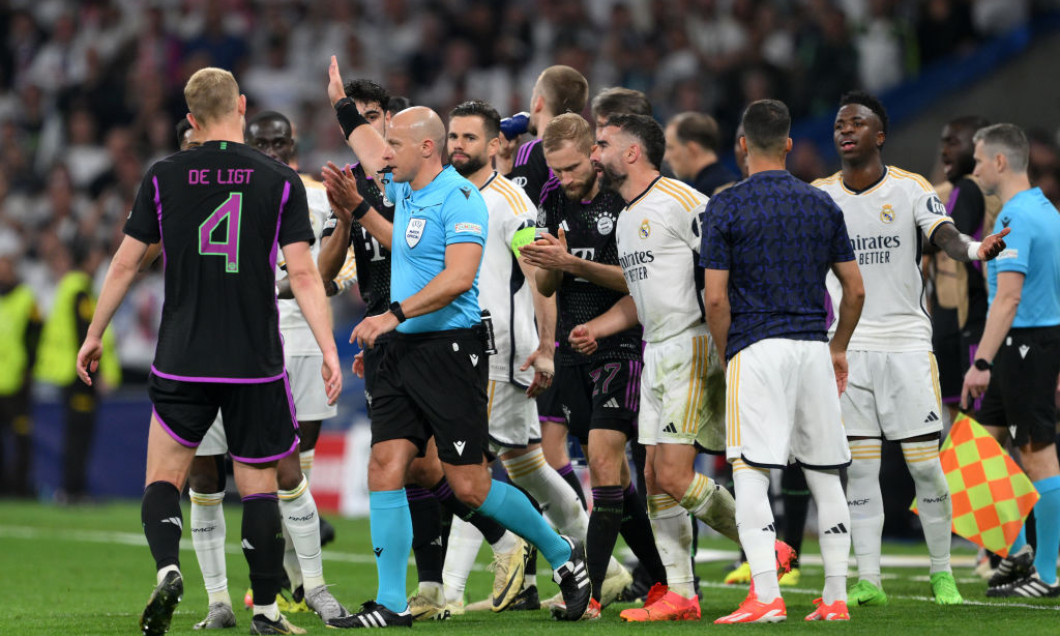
(414, 231)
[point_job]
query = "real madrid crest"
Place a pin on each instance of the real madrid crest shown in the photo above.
(887, 213)
(645, 229)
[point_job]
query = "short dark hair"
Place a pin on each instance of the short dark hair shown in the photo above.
(699, 128)
(365, 90)
(618, 100)
(868, 101)
(270, 115)
(564, 89)
(397, 103)
(647, 131)
(491, 119)
(766, 124)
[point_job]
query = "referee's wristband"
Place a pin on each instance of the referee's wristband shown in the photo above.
(973, 251)
(361, 210)
(349, 117)
(395, 308)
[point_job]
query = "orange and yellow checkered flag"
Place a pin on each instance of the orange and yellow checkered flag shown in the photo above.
(991, 495)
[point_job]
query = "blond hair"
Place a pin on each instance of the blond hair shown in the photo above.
(211, 94)
(567, 127)
(564, 89)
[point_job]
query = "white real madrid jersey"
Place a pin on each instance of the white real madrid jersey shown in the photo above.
(658, 241)
(297, 336)
(503, 290)
(887, 225)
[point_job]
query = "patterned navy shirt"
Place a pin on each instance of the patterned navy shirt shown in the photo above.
(777, 237)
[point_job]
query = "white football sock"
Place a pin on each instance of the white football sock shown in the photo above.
(464, 543)
(208, 539)
(672, 527)
(758, 535)
(866, 507)
(299, 513)
(560, 503)
(833, 522)
(290, 560)
(712, 504)
(306, 459)
(932, 500)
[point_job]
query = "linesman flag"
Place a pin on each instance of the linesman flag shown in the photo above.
(991, 495)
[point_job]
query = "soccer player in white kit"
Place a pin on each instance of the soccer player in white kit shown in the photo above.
(658, 236)
(521, 368)
(893, 391)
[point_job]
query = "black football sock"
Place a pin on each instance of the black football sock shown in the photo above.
(605, 520)
(636, 530)
(263, 545)
(163, 522)
(569, 476)
(489, 528)
(427, 542)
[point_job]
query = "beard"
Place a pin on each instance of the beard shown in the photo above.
(469, 166)
(578, 191)
(610, 179)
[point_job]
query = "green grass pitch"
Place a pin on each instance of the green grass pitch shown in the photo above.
(87, 570)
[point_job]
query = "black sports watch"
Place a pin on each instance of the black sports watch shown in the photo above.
(982, 364)
(395, 308)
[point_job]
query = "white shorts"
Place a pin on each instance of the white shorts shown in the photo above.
(307, 388)
(682, 392)
(783, 405)
(513, 419)
(892, 395)
(214, 442)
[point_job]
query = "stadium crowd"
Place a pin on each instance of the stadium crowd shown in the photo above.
(89, 91)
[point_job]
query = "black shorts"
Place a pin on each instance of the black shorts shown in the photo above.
(954, 351)
(259, 419)
(1022, 390)
(601, 394)
(548, 406)
(434, 384)
(373, 357)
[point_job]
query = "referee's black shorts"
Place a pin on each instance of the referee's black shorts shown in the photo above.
(1022, 390)
(434, 384)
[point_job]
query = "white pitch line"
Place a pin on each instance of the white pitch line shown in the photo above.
(138, 540)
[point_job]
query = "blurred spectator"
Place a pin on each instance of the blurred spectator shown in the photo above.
(61, 337)
(20, 326)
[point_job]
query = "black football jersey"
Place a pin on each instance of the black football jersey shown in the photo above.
(590, 230)
(373, 260)
(221, 211)
(529, 170)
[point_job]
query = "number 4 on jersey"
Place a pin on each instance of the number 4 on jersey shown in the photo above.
(229, 247)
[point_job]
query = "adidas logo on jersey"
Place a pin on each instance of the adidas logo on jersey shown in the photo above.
(670, 428)
(837, 529)
(611, 404)
(769, 528)
(246, 545)
(932, 417)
